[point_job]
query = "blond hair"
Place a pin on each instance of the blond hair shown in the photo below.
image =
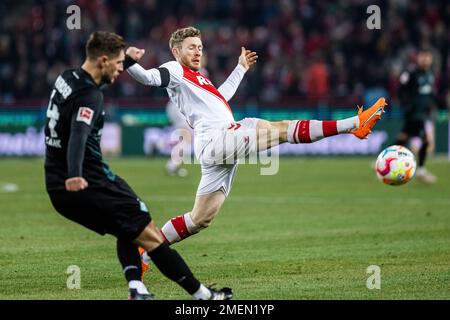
(178, 36)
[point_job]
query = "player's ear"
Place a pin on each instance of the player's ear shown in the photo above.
(103, 60)
(176, 52)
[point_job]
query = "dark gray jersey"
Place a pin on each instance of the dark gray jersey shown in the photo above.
(73, 131)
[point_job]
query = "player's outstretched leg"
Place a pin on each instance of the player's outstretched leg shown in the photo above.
(172, 265)
(307, 131)
(270, 134)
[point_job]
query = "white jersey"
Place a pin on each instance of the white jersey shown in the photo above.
(204, 106)
(177, 120)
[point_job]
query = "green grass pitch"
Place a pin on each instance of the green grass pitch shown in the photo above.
(308, 232)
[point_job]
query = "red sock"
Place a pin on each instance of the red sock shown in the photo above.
(307, 131)
(178, 228)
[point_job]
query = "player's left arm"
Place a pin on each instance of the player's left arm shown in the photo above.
(246, 60)
(87, 108)
(167, 75)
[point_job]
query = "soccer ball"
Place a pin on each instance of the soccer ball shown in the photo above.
(395, 165)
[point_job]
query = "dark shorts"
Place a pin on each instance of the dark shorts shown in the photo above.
(115, 209)
(414, 128)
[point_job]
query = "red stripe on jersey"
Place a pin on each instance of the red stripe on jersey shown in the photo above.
(303, 132)
(329, 128)
(180, 226)
(234, 126)
(205, 84)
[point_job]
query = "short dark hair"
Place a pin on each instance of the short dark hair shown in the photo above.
(104, 43)
(179, 35)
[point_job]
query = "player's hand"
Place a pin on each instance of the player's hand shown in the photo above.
(135, 53)
(76, 184)
(247, 58)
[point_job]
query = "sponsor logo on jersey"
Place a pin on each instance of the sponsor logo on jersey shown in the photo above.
(203, 81)
(142, 206)
(53, 142)
(63, 88)
(85, 115)
(234, 126)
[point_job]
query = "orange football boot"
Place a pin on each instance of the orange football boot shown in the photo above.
(144, 264)
(368, 118)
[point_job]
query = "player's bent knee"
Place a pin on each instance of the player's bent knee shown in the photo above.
(150, 238)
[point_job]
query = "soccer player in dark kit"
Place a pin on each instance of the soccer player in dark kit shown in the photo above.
(417, 99)
(80, 184)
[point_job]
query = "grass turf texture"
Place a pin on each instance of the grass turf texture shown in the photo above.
(309, 232)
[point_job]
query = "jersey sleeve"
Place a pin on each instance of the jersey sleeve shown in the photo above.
(229, 87)
(406, 87)
(86, 110)
(168, 75)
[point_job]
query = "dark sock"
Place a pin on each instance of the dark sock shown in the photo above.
(423, 153)
(130, 260)
(172, 265)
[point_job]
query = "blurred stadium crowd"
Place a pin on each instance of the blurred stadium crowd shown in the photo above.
(318, 50)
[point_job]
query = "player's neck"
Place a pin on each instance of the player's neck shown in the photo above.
(93, 71)
(184, 65)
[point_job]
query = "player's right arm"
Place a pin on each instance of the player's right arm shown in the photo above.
(406, 88)
(169, 74)
(85, 112)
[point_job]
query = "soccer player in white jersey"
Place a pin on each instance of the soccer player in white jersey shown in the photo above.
(181, 135)
(207, 111)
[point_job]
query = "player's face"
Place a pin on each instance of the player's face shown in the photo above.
(112, 68)
(425, 60)
(190, 53)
